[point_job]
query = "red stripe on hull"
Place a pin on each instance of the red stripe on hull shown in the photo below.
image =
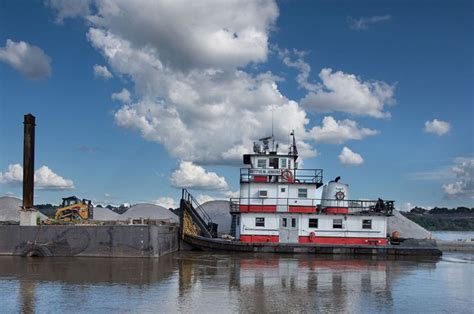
(258, 208)
(336, 210)
(302, 209)
(340, 240)
(259, 238)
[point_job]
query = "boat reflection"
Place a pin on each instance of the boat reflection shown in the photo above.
(327, 283)
(203, 282)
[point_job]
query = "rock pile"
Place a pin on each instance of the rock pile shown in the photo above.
(9, 209)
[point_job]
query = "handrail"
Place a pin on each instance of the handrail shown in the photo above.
(354, 205)
(198, 207)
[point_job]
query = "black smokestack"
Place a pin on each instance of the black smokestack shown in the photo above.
(28, 160)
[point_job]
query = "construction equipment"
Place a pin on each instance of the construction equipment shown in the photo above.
(74, 209)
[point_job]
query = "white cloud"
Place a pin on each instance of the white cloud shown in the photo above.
(102, 71)
(189, 175)
(463, 187)
(166, 201)
(441, 174)
(189, 110)
(347, 93)
(14, 174)
(206, 34)
(69, 8)
(29, 60)
(363, 23)
(406, 206)
(232, 194)
(203, 198)
(437, 127)
(349, 158)
(44, 177)
(338, 132)
(123, 96)
(298, 63)
(187, 64)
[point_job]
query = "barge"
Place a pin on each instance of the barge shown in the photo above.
(278, 212)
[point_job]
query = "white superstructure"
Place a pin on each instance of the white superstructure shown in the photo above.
(277, 204)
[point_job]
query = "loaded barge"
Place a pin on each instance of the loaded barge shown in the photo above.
(278, 212)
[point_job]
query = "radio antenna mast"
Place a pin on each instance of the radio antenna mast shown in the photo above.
(273, 137)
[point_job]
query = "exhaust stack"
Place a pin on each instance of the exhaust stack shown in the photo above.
(28, 212)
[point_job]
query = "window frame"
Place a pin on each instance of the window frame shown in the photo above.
(364, 224)
(336, 226)
(310, 220)
(263, 195)
(293, 222)
(285, 160)
(261, 160)
(305, 192)
(260, 222)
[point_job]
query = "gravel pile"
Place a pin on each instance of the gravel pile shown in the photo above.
(9, 209)
(219, 213)
(105, 214)
(149, 211)
(406, 227)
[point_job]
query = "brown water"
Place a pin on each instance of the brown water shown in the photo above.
(218, 283)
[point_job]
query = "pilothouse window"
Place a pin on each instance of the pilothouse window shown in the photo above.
(274, 163)
(259, 222)
(261, 163)
(283, 163)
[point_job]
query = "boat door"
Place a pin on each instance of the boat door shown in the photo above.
(289, 228)
(282, 200)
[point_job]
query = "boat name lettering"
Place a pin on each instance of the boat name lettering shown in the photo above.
(272, 172)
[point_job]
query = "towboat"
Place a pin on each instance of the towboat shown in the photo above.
(277, 211)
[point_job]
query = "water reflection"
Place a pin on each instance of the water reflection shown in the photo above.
(268, 283)
(208, 282)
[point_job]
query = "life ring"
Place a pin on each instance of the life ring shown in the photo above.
(287, 176)
(340, 195)
(312, 236)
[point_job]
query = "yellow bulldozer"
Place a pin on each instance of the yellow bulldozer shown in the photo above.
(74, 209)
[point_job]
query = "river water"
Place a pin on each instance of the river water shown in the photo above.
(454, 235)
(218, 283)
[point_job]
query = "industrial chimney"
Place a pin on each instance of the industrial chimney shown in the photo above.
(28, 212)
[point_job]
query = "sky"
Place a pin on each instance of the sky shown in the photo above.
(135, 100)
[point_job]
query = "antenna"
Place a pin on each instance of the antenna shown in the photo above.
(273, 137)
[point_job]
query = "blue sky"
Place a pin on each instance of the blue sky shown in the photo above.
(392, 81)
